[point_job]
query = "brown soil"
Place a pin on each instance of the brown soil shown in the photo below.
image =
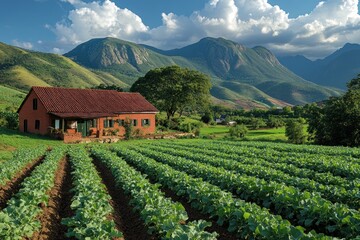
(14, 185)
(127, 221)
(58, 206)
(197, 215)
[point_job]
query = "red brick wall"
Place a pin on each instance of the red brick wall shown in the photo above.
(138, 116)
(31, 115)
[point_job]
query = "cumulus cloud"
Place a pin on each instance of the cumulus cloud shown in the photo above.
(95, 19)
(26, 45)
(251, 22)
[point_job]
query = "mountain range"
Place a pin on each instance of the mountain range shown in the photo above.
(334, 70)
(241, 77)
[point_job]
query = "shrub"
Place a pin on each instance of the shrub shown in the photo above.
(238, 131)
(295, 131)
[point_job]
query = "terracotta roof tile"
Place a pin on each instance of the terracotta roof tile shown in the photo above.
(80, 102)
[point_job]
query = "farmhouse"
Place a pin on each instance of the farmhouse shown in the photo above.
(72, 114)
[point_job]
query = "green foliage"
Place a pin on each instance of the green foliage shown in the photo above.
(108, 87)
(9, 120)
(337, 122)
(288, 201)
(19, 219)
(128, 129)
(90, 202)
(20, 159)
(161, 214)
(275, 122)
(173, 89)
(257, 123)
(242, 217)
(294, 131)
(238, 131)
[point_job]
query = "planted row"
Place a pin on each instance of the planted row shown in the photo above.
(305, 208)
(20, 159)
(352, 154)
(247, 220)
(19, 219)
(92, 210)
(331, 192)
(160, 214)
(319, 163)
(321, 177)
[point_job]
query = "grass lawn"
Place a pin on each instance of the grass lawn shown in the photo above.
(273, 134)
(10, 140)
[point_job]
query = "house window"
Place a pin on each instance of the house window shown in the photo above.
(111, 123)
(94, 123)
(57, 123)
(35, 104)
(121, 122)
(134, 122)
(108, 123)
(145, 122)
(37, 124)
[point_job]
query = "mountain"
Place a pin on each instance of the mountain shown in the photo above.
(122, 59)
(240, 75)
(21, 69)
(335, 70)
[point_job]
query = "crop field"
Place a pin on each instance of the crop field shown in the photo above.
(183, 189)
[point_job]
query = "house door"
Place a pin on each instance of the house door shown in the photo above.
(83, 127)
(25, 125)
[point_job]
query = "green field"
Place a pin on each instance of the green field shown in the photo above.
(176, 189)
(272, 134)
(11, 140)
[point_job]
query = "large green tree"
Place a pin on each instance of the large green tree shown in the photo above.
(173, 89)
(337, 122)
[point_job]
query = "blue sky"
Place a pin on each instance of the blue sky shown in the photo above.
(287, 27)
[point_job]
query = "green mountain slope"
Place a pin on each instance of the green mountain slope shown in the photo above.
(334, 70)
(10, 98)
(121, 59)
(22, 69)
(238, 73)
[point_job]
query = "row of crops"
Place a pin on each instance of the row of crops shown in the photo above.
(252, 190)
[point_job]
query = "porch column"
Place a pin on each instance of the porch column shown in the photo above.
(63, 125)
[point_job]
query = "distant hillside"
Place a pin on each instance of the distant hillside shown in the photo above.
(241, 75)
(10, 98)
(335, 70)
(122, 59)
(22, 69)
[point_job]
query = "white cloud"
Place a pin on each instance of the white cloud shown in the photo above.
(26, 45)
(251, 22)
(95, 19)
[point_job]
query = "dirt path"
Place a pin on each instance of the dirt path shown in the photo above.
(13, 186)
(59, 205)
(127, 221)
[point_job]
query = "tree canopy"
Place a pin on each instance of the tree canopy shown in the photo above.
(108, 87)
(337, 123)
(173, 89)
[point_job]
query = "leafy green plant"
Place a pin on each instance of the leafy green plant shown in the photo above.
(238, 131)
(285, 200)
(160, 214)
(246, 219)
(90, 202)
(19, 219)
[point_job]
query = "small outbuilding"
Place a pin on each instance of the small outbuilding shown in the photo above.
(73, 114)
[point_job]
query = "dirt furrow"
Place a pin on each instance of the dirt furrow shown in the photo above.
(14, 185)
(127, 221)
(58, 206)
